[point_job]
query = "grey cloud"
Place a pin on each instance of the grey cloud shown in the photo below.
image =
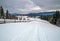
(48, 4)
(25, 5)
(13, 5)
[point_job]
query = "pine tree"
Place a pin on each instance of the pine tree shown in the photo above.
(7, 14)
(1, 12)
(57, 14)
(55, 17)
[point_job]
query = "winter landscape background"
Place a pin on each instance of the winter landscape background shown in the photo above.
(29, 20)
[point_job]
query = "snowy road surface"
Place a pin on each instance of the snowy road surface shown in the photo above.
(38, 30)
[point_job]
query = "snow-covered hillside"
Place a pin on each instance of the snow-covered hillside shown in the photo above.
(36, 30)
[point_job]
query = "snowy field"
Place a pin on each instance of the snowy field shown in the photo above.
(36, 30)
(14, 20)
(7, 20)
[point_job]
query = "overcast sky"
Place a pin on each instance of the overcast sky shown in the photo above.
(26, 6)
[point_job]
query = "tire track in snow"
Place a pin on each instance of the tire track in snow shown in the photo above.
(26, 32)
(34, 36)
(42, 34)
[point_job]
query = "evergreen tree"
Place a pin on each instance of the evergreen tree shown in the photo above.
(7, 14)
(55, 17)
(1, 12)
(57, 14)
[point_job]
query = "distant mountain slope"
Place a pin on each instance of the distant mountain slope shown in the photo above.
(34, 14)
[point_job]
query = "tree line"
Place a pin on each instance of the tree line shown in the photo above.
(52, 18)
(6, 15)
(55, 17)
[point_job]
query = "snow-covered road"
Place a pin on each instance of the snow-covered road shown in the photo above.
(37, 30)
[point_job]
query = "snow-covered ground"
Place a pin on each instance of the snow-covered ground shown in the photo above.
(36, 30)
(15, 20)
(7, 20)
